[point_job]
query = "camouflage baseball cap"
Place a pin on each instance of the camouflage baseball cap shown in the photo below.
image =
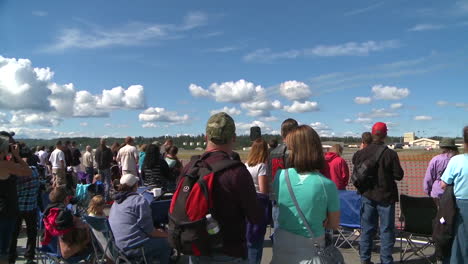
(220, 128)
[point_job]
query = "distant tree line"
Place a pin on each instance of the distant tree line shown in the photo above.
(241, 141)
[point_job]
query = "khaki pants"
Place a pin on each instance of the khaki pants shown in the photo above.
(58, 177)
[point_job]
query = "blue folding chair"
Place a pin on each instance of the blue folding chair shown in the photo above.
(350, 220)
(103, 242)
(160, 210)
(51, 254)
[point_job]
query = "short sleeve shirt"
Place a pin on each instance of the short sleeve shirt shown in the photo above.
(257, 170)
(457, 173)
(55, 158)
(316, 196)
(128, 157)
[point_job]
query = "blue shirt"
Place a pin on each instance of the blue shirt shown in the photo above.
(316, 196)
(457, 173)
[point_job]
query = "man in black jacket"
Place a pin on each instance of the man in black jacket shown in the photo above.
(379, 200)
(104, 159)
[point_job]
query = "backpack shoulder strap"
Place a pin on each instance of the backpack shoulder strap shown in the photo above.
(379, 153)
(224, 164)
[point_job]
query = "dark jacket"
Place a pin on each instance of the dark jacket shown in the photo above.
(443, 232)
(384, 188)
(104, 158)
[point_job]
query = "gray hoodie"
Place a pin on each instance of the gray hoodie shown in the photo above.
(130, 219)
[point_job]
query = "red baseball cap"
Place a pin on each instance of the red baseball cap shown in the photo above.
(379, 129)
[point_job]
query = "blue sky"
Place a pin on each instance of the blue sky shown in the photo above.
(150, 68)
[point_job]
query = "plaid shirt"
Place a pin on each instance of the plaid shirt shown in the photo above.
(28, 189)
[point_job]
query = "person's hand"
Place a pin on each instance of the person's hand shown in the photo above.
(325, 222)
(15, 151)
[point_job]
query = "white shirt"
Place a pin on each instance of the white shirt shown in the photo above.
(128, 157)
(88, 159)
(42, 155)
(55, 158)
(257, 170)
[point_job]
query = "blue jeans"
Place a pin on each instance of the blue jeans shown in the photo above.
(216, 260)
(460, 242)
(255, 252)
(7, 225)
(371, 212)
(106, 179)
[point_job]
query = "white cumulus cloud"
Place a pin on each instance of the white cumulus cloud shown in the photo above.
(118, 97)
(230, 111)
(423, 118)
(426, 27)
(261, 107)
(22, 86)
(294, 90)
(298, 107)
(389, 92)
(149, 125)
(27, 118)
(157, 114)
(362, 100)
(396, 106)
(232, 92)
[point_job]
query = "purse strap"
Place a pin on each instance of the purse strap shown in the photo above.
(293, 198)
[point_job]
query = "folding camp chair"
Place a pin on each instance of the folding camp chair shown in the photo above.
(350, 220)
(160, 210)
(103, 242)
(50, 254)
(416, 218)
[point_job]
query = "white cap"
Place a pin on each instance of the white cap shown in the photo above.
(129, 179)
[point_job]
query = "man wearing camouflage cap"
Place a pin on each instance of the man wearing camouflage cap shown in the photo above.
(234, 194)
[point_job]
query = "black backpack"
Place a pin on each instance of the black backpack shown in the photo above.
(443, 230)
(365, 173)
(190, 204)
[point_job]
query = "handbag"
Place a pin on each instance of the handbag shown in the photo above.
(327, 255)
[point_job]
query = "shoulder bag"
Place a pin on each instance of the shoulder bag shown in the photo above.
(327, 255)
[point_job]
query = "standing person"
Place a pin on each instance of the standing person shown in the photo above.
(28, 191)
(42, 155)
(317, 198)
(165, 147)
(115, 150)
(57, 160)
(257, 166)
(141, 157)
(234, 197)
(155, 170)
(175, 166)
(378, 202)
(279, 160)
(88, 163)
(436, 168)
(104, 160)
(336, 168)
(76, 155)
(272, 144)
(456, 173)
(68, 153)
(128, 157)
(130, 220)
(366, 139)
(10, 169)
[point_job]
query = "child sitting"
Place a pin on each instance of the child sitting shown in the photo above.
(96, 206)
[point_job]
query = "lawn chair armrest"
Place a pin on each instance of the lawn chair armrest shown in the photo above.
(136, 244)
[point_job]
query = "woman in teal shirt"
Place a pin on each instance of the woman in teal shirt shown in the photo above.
(317, 197)
(456, 173)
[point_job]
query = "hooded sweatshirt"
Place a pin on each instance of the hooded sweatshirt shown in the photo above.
(336, 170)
(130, 219)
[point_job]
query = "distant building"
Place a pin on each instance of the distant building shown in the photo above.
(425, 143)
(191, 143)
(185, 143)
(198, 143)
(408, 137)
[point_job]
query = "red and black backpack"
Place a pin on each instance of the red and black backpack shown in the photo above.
(278, 158)
(190, 204)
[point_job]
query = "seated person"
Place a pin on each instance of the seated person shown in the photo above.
(96, 206)
(97, 187)
(131, 221)
(59, 222)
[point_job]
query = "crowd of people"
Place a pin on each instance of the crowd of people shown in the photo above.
(292, 185)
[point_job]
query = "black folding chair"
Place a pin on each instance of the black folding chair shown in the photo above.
(417, 214)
